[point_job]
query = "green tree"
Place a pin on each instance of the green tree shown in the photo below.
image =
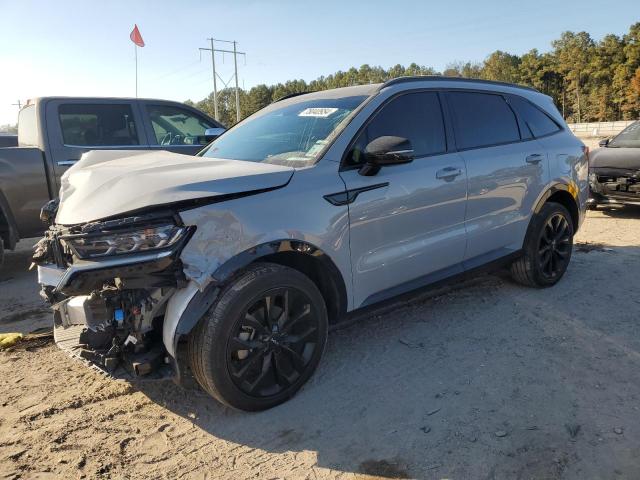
(501, 66)
(572, 52)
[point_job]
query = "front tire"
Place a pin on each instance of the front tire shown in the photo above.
(262, 340)
(547, 248)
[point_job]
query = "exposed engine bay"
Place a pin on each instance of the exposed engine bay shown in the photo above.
(112, 316)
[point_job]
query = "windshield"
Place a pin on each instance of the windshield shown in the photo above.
(294, 134)
(629, 137)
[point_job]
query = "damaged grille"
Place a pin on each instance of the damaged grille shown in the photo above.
(615, 182)
(109, 307)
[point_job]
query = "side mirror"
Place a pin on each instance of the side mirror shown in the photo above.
(210, 134)
(385, 151)
(604, 142)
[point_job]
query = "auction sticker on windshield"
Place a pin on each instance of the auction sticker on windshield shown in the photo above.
(321, 112)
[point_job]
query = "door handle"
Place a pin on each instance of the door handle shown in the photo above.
(534, 158)
(448, 173)
(66, 163)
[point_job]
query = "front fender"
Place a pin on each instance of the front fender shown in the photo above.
(187, 306)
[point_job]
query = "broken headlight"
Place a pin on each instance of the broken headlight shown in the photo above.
(121, 242)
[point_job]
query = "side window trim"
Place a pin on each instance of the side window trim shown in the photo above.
(447, 115)
(344, 167)
(488, 92)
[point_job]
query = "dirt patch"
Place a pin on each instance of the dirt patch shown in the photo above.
(486, 380)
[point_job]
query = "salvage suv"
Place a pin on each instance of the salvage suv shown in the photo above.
(231, 266)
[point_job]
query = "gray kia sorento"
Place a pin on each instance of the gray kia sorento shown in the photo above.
(231, 266)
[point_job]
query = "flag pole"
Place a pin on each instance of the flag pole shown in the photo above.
(136, 55)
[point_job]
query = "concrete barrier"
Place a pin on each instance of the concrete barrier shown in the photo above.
(599, 129)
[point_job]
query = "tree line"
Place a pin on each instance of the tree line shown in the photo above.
(589, 80)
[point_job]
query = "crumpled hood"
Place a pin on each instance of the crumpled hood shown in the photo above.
(628, 158)
(107, 183)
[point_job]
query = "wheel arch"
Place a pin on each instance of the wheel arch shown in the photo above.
(565, 195)
(299, 255)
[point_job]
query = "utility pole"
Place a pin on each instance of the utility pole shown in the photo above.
(235, 53)
(215, 87)
(18, 104)
(235, 68)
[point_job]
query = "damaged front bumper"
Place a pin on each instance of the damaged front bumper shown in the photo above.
(615, 186)
(109, 309)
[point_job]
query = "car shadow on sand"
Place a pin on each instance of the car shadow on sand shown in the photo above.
(622, 211)
(480, 379)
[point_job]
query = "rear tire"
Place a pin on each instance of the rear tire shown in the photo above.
(261, 340)
(547, 248)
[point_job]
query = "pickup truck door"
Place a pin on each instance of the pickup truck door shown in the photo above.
(177, 128)
(78, 126)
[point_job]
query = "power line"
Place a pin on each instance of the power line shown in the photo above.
(181, 69)
(235, 53)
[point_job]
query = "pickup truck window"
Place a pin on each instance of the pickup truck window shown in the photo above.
(28, 127)
(97, 125)
(177, 126)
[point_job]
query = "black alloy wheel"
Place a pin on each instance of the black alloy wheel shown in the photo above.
(273, 343)
(554, 249)
(547, 247)
(262, 339)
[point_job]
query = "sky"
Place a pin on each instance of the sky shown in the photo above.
(82, 48)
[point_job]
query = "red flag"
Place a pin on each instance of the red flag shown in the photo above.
(136, 37)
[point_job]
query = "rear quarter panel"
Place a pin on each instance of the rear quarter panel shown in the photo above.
(568, 165)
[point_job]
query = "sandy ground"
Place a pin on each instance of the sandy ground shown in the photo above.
(483, 380)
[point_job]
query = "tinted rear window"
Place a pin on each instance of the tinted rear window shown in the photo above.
(97, 125)
(482, 119)
(538, 122)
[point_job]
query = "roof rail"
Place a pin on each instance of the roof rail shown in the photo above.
(441, 78)
(290, 95)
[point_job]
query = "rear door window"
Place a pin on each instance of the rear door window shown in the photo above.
(537, 122)
(177, 126)
(414, 116)
(89, 125)
(482, 119)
